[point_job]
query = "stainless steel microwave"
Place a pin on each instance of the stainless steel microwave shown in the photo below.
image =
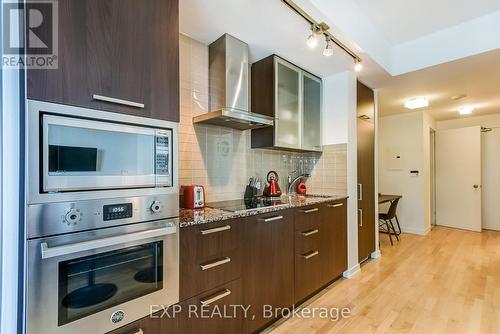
(78, 153)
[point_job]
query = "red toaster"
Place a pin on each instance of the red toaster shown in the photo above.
(192, 197)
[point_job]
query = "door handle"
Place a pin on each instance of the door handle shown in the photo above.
(216, 297)
(360, 217)
(49, 252)
(476, 186)
(311, 232)
(271, 219)
(214, 264)
(118, 101)
(215, 230)
(310, 255)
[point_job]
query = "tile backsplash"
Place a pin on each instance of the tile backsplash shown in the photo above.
(221, 159)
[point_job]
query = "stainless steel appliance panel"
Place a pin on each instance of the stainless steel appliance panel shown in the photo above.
(66, 217)
(60, 266)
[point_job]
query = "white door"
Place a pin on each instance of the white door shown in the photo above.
(458, 178)
(491, 179)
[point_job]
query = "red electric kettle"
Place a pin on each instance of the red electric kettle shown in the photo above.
(273, 188)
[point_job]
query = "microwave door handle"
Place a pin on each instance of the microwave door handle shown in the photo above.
(51, 252)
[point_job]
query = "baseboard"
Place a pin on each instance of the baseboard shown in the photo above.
(376, 254)
(351, 272)
(417, 231)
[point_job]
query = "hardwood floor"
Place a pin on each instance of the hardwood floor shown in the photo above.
(445, 282)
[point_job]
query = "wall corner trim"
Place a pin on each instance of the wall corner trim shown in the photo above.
(353, 271)
(375, 255)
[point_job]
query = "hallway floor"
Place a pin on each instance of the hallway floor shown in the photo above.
(445, 282)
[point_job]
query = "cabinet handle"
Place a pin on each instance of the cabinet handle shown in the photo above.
(216, 297)
(214, 264)
(271, 219)
(139, 331)
(360, 211)
(310, 210)
(309, 255)
(308, 233)
(215, 230)
(117, 101)
(338, 205)
(360, 192)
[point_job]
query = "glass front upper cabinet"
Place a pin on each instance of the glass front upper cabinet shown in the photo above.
(298, 108)
(311, 106)
(288, 106)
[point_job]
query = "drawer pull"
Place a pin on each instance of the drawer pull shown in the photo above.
(117, 101)
(214, 264)
(216, 297)
(310, 210)
(215, 230)
(338, 205)
(139, 331)
(308, 233)
(271, 219)
(309, 255)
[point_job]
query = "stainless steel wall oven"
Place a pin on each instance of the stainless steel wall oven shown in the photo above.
(102, 241)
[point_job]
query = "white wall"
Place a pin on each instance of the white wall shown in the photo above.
(407, 134)
(9, 195)
(339, 126)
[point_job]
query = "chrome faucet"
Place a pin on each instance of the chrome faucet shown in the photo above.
(291, 183)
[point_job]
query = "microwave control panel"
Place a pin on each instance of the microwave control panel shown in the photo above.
(162, 158)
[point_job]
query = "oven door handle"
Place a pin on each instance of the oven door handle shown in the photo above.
(50, 252)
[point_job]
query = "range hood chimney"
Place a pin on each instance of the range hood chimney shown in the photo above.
(228, 87)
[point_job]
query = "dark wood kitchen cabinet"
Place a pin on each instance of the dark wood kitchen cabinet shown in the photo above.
(158, 324)
(216, 311)
(121, 49)
(210, 256)
(366, 171)
(334, 240)
(268, 273)
(320, 246)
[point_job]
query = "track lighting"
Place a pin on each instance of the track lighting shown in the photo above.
(358, 66)
(328, 51)
(312, 40)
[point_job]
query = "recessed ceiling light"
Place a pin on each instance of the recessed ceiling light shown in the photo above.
(417, 102)
(466, 110)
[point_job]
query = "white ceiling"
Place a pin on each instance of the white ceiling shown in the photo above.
(477, 76)
(268, 26)
(401, 21)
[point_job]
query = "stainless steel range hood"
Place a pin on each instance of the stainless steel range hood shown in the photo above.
(228, 87)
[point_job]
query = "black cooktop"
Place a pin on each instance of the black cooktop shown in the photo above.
(246, 204)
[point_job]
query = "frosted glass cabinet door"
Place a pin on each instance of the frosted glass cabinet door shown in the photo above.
(311, 125)
(288, 118)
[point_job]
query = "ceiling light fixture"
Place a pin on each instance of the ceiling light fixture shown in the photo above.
(466, 110)
(417, 102)
(358, 66)
(312, 40)
(328, 51)
(322, 28)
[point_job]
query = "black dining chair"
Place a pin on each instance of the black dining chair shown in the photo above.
(385, 220)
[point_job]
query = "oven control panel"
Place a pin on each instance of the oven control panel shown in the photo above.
(116, 211)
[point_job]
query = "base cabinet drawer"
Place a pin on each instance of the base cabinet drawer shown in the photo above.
(216, 311)
(156, 324)
(210, 256)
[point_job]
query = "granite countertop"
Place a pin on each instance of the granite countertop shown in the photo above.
(189, 217)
